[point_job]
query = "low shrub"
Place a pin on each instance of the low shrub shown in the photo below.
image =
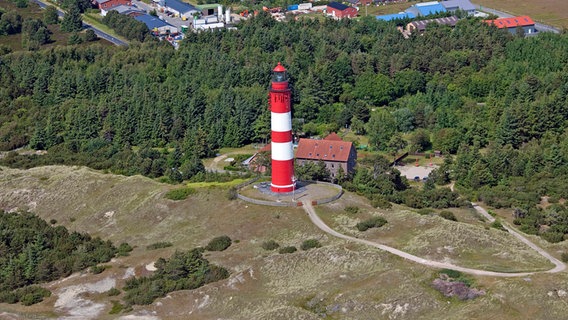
(552, 236)
(113, 292)
(289, 249)
(564, 257)
(352, 209)
(498, 225)
(374, 222)
(310, 244)
(232, 194)
(27, 295)
(124, 250)
(270, 245)
(380, 202)
(98, 269)
(425, 211)
(117, 307)
(179, 194)
(159, 245)
(448, 215)
(219, 243)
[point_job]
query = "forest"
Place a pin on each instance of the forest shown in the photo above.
(32, 251)
(498, 103)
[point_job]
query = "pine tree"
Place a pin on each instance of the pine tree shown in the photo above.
(72, 21)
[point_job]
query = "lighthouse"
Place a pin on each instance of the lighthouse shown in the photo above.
(281, 132)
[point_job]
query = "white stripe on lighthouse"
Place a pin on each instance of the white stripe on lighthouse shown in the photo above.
(282, 151)
(281, 122)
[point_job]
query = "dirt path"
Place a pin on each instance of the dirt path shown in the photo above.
(442, 265)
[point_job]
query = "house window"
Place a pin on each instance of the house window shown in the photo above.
(317, 154)
(332, 165)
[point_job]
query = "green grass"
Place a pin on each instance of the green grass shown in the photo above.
(179, 194)
(214, 184)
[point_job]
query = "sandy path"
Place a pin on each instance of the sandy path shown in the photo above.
(436, 264)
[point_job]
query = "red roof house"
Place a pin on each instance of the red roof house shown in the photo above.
(107, 4)
(333, 136)
(334, 153)
(511, 24)
(340, 11)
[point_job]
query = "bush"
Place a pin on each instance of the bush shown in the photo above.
(448, 215)
(232, 194)
(374, 222)
(381, 202)
(553, 237)
(310, 243)
(124, 249)
(52, 221)
(159, 245)
(116, 307)
(270, 245)
(564, 257)
(32, 294)
(113, 292)
(219, 244)
(98, 269)
(179, 194)
(290, 249)
(497, 225)
(352, 209)
(183, 271)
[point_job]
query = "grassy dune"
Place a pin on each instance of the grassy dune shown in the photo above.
(341, 280)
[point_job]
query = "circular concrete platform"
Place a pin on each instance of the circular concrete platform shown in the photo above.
(312, 191)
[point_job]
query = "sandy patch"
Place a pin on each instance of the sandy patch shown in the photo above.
(76, 307)
(150, 267)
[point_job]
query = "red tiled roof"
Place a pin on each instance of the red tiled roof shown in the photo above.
(333, 136)
(326, 150)
(523, 21)
(266, 148)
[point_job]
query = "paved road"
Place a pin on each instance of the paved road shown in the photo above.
(98, 32)
(436, 264)
(539, 26)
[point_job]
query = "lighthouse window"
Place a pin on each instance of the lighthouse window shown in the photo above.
(317, 154)
(341, 148)
(310, 154)
(331, 147)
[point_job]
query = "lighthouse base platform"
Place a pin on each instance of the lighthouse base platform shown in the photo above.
(312, 191)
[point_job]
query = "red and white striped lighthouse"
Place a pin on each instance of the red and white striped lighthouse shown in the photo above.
(281, 126)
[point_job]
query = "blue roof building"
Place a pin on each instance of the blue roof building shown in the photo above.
(426, 8)
(337, 5)
(180, 8)
(396, 16)
(155, 24)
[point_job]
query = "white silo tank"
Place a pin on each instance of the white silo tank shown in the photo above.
(228, 15)
(220, 12)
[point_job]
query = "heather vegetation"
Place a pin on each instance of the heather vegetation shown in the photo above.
(34, 252)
